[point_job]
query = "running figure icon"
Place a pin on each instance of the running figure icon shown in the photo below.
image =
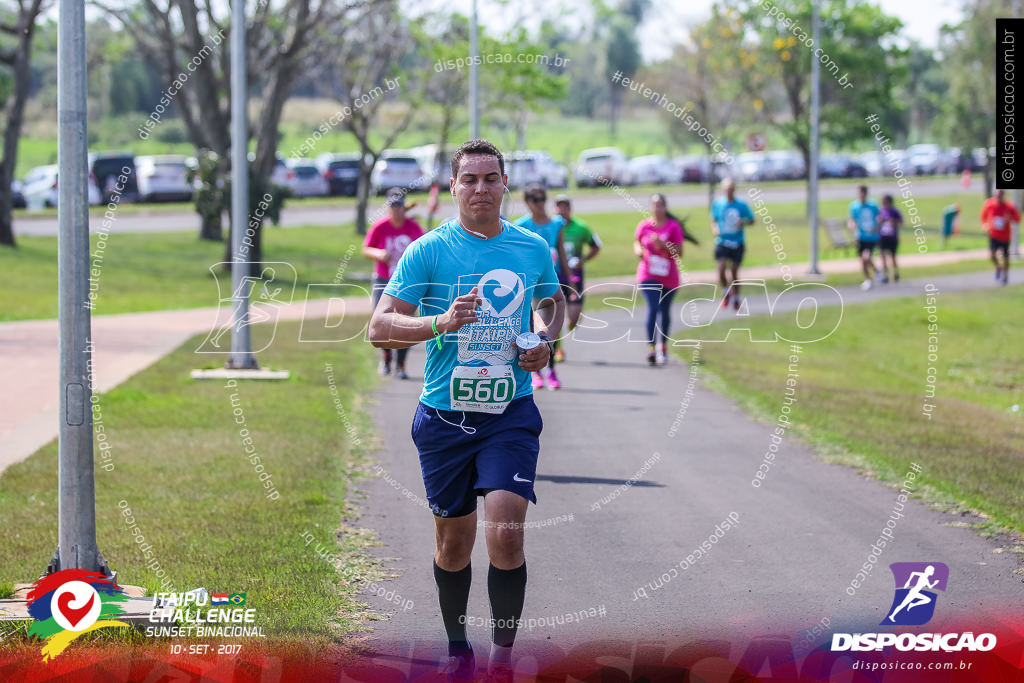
(915, 597)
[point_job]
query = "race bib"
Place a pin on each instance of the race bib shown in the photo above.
(998, 222)
(482, 388)
(888, 228)
(658, 265)
(731, 244)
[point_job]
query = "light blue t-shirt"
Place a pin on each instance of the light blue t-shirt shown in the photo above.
(865, 215)
(549, 231)
(508, 270)
(728, 216)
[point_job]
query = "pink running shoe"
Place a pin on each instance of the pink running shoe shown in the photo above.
(538, 380)
(553, 382)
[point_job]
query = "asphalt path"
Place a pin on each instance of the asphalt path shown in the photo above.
(615, 199)
(639, 466)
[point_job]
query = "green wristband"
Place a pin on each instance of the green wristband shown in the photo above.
(437, 335)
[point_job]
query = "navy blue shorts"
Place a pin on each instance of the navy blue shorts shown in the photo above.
(501, 453)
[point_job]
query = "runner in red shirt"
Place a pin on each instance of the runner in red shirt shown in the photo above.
(997, 215)
(386, 241)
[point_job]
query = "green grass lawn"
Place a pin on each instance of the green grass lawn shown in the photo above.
(616, 231)
(861, 392)
(181, 468)
(162, 271)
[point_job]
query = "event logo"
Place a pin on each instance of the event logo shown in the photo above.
(502, 292)
(71, 602)
(914, 602)
(914, 605)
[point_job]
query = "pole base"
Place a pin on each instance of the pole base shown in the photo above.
(55, 566)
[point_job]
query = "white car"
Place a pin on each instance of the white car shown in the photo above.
(653, 169)
(163, 177)
(529, 167)
(305, 179)
(751, 166)
(40, 188)
(602, 165)
(929, 159)
(400, 169)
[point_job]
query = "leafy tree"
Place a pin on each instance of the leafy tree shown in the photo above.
(860, 67)
(189, 41)
(969, 65)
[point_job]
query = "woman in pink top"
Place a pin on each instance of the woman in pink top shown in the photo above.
(659, 242)
(385, 243)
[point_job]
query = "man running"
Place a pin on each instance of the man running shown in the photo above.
(577, 237)
(864, 215)
(385, 243)
(550, 228)
(728, 218)
(890, 220)
(997, 215)
(476, 427)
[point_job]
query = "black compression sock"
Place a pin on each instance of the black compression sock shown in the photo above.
(507, 590)
(453, 596)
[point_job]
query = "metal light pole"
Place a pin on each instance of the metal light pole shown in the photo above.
(474, 77)
(76, 525)
(812, 172)
(241, 344)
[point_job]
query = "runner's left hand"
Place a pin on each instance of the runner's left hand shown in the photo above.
(535, 359)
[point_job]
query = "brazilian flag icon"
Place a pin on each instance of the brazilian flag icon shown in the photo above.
(237, 599)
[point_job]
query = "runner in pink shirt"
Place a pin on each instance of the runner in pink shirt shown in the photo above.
(659, 242)
(385, 242)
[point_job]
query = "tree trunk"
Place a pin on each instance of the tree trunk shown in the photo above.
(363, 193)
(211, 229)
(19, 63)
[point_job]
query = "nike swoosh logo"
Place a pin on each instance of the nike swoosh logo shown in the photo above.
(516, 477)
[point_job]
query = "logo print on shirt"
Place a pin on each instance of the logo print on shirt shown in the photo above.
(502, 292)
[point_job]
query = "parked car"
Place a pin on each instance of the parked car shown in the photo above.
(163, 177)
(305, 179)
(929, 159)
(106, 167)
(751, 166)
(885, 164)
(600, 165)
(341, 171)
(17, 196)
(784, 165)
(840, 166)
(397, 168)
(528, 167)
(40, 188)
(652, 169)
(436, 164)
(691, 168)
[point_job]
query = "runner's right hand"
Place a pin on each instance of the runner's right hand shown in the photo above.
(461, 312)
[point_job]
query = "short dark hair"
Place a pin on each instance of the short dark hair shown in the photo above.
(887, 198)
(863, 188)
(478, 146)
(535, 191)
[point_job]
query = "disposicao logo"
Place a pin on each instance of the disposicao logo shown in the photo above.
(914, 605)
(915, 585)
(68, 603)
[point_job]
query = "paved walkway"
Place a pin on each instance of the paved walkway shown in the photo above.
(639, 468)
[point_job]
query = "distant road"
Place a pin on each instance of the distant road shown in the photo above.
(689, 196)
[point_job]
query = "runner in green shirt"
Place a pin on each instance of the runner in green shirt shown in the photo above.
(578, 237)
